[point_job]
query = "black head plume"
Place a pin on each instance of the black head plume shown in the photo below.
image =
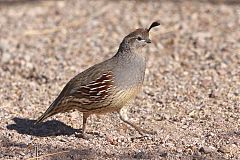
(154, 24)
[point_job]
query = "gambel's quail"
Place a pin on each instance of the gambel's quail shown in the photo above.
(109, 85)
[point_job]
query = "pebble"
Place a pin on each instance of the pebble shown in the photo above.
(6, 57)
(224, 149)
(207, 149)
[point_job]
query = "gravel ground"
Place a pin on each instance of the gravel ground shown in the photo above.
(191, 95)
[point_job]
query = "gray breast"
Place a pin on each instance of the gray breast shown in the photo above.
(130, 72)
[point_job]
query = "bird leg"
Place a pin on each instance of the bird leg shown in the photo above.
(84, 126)
(123, 116)
(85, 116)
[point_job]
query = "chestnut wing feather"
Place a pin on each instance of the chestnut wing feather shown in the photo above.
(90, 94)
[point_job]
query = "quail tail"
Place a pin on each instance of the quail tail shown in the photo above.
(49, 112)
(40, 119)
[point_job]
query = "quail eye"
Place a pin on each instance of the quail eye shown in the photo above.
(139, 38)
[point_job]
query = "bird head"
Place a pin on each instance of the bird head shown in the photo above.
(140, 37)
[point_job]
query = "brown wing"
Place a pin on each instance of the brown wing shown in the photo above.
(92, 95)
(84, 97)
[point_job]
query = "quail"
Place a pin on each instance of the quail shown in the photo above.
(109, 85)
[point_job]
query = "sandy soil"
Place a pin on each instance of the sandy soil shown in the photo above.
(191, 95)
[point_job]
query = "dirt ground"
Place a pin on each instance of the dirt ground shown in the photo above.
(191, 94)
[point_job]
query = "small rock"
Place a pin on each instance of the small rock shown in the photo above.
(6, 57)
(163, 154)
(207, 149)
(184, 126)
(193, 114)
(223, 149)
(22, 153)
(140, 155)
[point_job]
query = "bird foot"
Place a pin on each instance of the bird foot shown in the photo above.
(144, 132)
(84, 136)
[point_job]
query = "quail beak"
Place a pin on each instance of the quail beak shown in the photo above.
(148, 41)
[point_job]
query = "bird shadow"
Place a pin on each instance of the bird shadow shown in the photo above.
(48, 128)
